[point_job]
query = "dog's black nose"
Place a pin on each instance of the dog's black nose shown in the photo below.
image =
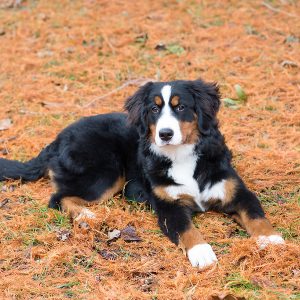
(166, 134)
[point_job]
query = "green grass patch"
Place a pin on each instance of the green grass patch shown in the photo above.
(41, 276)
(241, 233)
(52, 63)
(175, 48)
(68, 284)
(240, 285)
(270, 108)
(289, 233)
(155, 231)
(84, 261)
(61, 220)
(222, 247)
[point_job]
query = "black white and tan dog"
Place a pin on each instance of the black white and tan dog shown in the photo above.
(167, 149)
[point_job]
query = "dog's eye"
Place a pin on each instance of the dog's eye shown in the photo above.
(155, 109)
(180, 107)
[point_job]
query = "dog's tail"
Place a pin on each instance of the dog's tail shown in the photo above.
(30, 170)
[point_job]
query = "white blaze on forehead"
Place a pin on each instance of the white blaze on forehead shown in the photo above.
(166, 93)
(167, 120)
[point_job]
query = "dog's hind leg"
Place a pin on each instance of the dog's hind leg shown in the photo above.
(77, 208)
(76, 205)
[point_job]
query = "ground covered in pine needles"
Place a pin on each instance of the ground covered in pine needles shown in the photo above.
(60, 60)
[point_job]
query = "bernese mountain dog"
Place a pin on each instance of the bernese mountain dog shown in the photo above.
(167, 150)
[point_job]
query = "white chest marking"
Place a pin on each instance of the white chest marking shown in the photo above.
(184, 162)
(182, 172)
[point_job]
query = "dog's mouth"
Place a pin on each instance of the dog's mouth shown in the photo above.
(170, 143)
(163, 144)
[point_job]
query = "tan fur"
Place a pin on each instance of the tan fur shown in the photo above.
(152, 133)
(161, 193)
(158, 100)
(186, 197)
(175, 101)
(238, 219)
(191, 238)
(186, 200)
(51, 176)
(256, 227)
(117, 187)
(230, 190)
(190, 132)
(75, 205)
(182, 199)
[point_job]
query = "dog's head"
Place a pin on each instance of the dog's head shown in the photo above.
(174, 113)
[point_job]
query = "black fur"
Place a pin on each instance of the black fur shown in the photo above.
(214, 163)
(88, 157)
(30, 170)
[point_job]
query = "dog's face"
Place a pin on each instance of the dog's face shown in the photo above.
(174, 113)
(171, 116)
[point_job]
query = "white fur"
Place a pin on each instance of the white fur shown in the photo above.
(175, 153)
(85, 214)
(264, 240)
(217, 191)
(167, 120)
(184, 162)
(202, 256)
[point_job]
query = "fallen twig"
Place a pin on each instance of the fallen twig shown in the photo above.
(267, 5)
(4, 202)
(109, 44)
(138, 81)
(8, 139)
(10, 3)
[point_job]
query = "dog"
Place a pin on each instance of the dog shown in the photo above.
(170, 153)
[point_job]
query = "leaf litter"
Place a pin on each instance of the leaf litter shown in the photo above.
(111, 52)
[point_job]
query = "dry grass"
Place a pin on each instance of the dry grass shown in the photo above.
(57, 56)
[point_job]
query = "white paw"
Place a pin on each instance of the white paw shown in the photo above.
(202, 256)
(264, 240)
(85, 214)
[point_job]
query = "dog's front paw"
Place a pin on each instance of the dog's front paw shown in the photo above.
(202, 256)
(264, 240)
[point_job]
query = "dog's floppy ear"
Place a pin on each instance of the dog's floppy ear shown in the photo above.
(207, 103)
(135, 107)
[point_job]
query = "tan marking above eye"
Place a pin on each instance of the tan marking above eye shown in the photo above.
(158, 100)
(175, 101)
